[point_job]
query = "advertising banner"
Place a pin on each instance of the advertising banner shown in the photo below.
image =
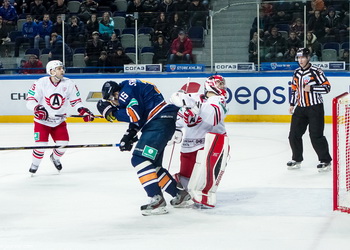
(185, 68)
(229, 67)
(267, 66)
(133, 68)
(254, 95)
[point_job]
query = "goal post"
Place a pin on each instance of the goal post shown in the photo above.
(341, 152)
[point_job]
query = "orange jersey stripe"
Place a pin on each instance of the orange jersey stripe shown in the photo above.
(132, 114)
(155, 110)
(307, 101)
(148, 177)
(164, 181)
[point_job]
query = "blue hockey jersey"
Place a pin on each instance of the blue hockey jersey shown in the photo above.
(139, 102)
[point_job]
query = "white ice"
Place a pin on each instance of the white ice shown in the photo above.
(95, 202)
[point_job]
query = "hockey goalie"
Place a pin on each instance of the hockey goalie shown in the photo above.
(205, 146)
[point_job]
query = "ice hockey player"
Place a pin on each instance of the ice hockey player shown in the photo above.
(204, 148)
(306, 106)
(48, 98)
(141, 104)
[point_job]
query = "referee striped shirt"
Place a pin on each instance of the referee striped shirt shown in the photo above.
(310, 76)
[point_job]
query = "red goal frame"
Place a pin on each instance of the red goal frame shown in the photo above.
(341, 167)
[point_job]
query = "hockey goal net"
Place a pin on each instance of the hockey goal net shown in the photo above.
(341, 153)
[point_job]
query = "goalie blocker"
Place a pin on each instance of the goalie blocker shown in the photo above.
(208, 170)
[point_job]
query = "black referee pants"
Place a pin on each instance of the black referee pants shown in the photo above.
(301, 118)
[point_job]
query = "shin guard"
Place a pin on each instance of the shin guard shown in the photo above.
(208, 170)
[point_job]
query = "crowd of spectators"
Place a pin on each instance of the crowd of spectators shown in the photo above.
(92, 27)
(281, 29)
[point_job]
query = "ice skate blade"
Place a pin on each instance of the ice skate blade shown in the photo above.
(197, 205)
(324, 170)
(185, 204)
(295, 167)
(156, 211)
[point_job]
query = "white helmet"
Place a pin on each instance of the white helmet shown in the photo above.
(53, 65)
(216, 84)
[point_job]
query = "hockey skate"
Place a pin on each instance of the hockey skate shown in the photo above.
(293, 165)
(156, 206)
(324, 167)
(57, 163)
(182, 199)
(33, 169)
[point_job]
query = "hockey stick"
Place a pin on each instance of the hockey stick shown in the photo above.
(63, 146)
(95, 116)
(171, 155)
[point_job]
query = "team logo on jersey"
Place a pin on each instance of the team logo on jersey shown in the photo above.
(36, 136)
(55, 101)
(149, 152)
(306, 79)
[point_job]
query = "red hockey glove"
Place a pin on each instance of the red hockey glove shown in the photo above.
(88, 116)
(191, 119)
(40, 112)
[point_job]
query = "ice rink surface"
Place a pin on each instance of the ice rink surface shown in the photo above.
(95, 202)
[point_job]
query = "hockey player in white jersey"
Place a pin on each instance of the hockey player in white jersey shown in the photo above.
(204, 147)
(49, 98)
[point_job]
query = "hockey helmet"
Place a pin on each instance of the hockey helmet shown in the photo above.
(109, 88)
(303, 52)
(216, 84)
(53, 65)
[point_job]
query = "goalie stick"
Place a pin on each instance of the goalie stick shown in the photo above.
(189, 88)
(57, 146)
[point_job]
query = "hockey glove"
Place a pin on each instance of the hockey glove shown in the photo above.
(177, 137)
(40, 112)
(107, 110)
(128, 140)
(190, 118)
(88, 116)
(196, 108)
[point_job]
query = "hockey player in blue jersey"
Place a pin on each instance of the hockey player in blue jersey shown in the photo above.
(142, 105)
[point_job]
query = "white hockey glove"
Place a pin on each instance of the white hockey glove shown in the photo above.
(177, 137)
(182, 100)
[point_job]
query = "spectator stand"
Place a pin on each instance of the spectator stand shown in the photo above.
(121, 5)
(144, 37)
(73, 6)
(44, 55)
(127, 38)
(146, 55)
(131, 52)
(330, 51)
(196, 34)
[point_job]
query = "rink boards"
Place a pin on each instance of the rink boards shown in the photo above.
(253, 97)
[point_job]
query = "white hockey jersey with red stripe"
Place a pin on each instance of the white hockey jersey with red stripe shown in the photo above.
(211, 119)
(55, 97)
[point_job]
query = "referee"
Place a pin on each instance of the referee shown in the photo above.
(306, 107)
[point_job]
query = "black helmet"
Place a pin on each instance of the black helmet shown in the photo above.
(109, 88)
(303, 52)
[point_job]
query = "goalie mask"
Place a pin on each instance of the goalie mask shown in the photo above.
(109, 88)
(52, 65)
(216, 84)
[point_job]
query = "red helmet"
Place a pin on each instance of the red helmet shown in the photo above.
(216, 84)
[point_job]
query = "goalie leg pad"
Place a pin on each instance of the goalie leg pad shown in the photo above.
(208, 170)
